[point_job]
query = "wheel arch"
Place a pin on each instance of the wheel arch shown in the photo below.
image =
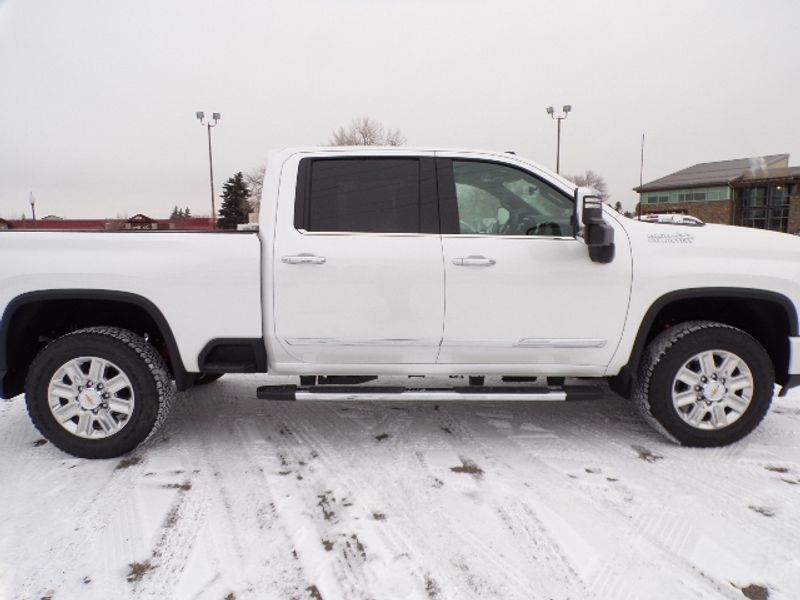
(32, 319)
(770, 317)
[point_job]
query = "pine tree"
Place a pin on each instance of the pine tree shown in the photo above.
(235, 206)
(176, 213)
(187, 214)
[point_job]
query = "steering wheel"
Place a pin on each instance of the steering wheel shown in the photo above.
(526, 224)
(541, 227)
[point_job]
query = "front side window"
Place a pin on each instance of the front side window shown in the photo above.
(364, 195)
(495, 199)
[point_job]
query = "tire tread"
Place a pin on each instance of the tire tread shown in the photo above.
(151, 359)
(655, 351)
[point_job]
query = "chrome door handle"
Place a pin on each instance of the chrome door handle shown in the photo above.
(474, 261)
(303, 259)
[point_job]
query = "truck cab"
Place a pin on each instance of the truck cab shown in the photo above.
(454, 262)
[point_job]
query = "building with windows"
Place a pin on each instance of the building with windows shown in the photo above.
(762, 192)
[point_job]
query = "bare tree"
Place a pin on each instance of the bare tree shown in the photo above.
(592, 180)
(366, 132)
(254, 180)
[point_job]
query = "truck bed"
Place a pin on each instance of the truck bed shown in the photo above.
(192, 277)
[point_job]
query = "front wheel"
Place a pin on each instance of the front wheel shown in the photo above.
(703, 383)
(98, 392)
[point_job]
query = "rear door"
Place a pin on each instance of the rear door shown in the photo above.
(358, 275)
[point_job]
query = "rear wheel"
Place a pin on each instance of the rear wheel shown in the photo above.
(703, 383)
(98, 392)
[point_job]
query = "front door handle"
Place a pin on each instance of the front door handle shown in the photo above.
(474, 261)
(303, 259)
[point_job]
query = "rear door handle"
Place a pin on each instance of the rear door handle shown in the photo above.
(303, 259)
(474, 261)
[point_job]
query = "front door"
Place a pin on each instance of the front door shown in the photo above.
(520, 286)
(358, 266)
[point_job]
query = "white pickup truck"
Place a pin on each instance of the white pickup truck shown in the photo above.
(371, 262)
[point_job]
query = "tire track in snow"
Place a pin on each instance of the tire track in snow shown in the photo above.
(539, 546)
(395, 541)
(246, 537)
(171, 552)
(313, 514)
(621, 523)
(712, 461)
(356, 573)
(234, 539)
(490, 564)
(706, 473)
(708, 476)
(89, 516)
(557, 575)
(553, 575)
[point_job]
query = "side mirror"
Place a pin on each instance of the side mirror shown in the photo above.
(598, 235)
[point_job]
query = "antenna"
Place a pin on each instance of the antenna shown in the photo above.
(641, 164)
(641, 172)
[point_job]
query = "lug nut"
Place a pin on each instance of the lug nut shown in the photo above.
(714, 376)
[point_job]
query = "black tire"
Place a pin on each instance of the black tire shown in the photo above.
(206, 378)
(670, 351)
(144, 367)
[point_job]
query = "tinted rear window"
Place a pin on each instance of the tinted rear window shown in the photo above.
(369, 195)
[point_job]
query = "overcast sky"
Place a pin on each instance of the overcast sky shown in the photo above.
(97, 98)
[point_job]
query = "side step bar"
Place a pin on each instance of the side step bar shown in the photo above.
(330, 392)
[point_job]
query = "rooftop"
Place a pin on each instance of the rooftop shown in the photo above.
(787, 173)
(721, 172)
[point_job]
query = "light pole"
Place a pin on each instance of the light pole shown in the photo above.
(200, 117)
(32, 200)
(567, 108)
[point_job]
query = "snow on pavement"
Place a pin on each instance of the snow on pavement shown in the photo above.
(238, 498)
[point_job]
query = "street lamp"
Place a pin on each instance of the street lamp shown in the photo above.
(200, 117)
(566, 109)
(32, 200)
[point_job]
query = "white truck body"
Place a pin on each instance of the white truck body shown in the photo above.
(296, 302)
(377, 305)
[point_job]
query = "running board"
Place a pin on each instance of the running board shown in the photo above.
(331, 392)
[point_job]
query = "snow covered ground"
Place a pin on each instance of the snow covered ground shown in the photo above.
(241, 498)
